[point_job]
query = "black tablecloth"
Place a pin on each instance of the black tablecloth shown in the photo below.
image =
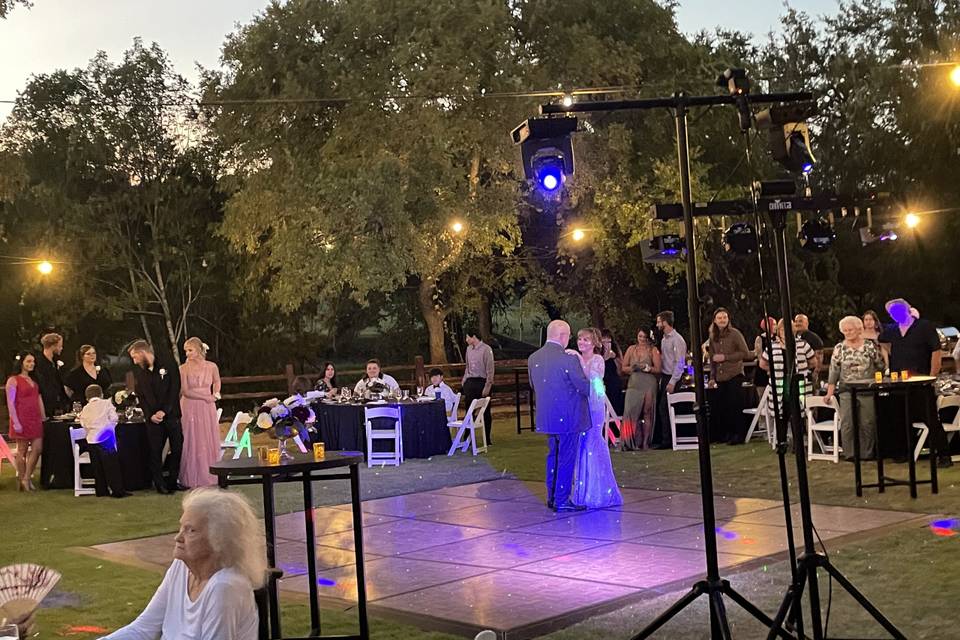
(425, 433)
(56, 464)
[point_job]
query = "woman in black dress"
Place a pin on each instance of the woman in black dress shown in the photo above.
(612, 361)
(86, 373)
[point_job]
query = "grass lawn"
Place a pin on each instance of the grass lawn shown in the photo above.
(913, 575)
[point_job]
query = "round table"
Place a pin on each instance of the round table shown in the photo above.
(425, 433)
(56, 463)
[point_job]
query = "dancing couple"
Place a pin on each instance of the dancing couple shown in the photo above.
(571, 410)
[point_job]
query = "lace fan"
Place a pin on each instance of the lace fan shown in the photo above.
(24, 586)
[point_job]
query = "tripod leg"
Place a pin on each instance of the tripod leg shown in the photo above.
(816, 622)
(720, 613)
(752, 609)
(864, 602)
(793, 598)
(695, 592)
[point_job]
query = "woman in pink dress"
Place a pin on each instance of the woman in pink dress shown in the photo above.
(199, 391)
(26, 417)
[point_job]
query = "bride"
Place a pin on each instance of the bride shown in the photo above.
(595, 484)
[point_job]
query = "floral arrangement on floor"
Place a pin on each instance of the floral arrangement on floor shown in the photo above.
(284, 420)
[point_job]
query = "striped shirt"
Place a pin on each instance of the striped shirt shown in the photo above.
(805, 355)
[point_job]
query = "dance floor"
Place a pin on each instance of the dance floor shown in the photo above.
(490, 555)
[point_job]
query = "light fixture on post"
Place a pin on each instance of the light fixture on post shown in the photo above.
(789, 136)
(911, 220)
(740, 239)
(546, 151)
(663, 248)
(816, 234)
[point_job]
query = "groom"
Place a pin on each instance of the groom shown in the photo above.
(561, 391)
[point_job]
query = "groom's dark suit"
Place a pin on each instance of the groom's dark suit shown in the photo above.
(561, 390)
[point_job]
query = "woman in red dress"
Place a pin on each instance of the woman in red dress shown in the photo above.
(26, 417)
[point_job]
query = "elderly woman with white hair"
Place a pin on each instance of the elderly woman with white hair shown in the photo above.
(207, 593)
(855, 359)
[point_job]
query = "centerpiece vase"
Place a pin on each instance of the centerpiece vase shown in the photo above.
(282, 445)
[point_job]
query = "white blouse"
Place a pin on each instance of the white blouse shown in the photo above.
(387, 380)
(224, 610)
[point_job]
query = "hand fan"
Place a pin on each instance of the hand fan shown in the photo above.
(23, 587)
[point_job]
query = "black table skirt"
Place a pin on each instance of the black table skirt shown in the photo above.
(425, 433)
(56, 464)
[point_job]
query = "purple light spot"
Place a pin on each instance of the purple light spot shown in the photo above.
(326, 582)
(950, 523)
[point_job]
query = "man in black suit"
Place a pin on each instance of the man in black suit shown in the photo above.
(158, 389)
(52, 390)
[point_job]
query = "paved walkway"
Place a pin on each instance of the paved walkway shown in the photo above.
(490, 555)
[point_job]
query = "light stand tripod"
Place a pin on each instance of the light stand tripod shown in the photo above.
(713, 586)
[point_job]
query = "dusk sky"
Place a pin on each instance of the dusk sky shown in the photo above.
(58, 34)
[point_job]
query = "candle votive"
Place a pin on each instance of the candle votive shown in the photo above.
(273, 456)
(262, 455)
(878, 376)
(894, 376)
(319, 451)
(904, 375)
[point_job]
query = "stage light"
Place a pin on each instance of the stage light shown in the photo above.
(663, 248)
(740, 239)
(567, 100)
(789, 136)
(45, 268)
(955, 75)
(546, 151)
(912, 220)
(816, 235)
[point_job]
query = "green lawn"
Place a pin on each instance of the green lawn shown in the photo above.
(912, 574)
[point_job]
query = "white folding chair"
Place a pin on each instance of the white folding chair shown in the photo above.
(219, 413)
(81, 486)
(758, 412)
(954, 426)
(395, 433)
(453, 414)
(683, 441)
(611, 416)
(472, 422)
(814, 429)
(9, 454)
(231, 441)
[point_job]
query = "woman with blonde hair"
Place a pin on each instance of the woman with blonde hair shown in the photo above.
(219, 558)
(199, 392)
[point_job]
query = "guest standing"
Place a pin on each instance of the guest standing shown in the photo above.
(478, 376)
(912, 344)
(86, 373)
(199, 390)
(612, 365)
(856, 358)
(158, 388)
(26, 417)
(673, 362)
(802, 329)
(48, 375)
(871, 326)
(328, 383)
(642, 363)
(803, 360)
(99, 420)
(727, 350)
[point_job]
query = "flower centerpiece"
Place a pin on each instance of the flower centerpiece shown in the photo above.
(284, 420)
(126, 401)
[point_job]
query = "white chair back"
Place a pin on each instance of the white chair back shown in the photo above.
(219, 413)
(81, 486)
(611, 417)
(7, 453)
(453, 417)
(231, 441)
(395, 433)
(467, 429)
(682, 441)
(761, 411)
(826, 451)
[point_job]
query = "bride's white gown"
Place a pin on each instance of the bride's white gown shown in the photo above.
(595, 485)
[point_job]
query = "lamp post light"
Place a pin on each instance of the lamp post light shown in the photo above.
(912, 220)
(456, 226)
(955, 75)
(45, 267)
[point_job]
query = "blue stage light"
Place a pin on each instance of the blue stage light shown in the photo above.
(550, 174)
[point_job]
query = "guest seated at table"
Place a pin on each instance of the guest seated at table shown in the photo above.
(26, 417)
(86, 373)
(375, 378)
(219, 559)
(440, 390)
(328, 383)
(856, 358)
(99, 419)
(804, 361)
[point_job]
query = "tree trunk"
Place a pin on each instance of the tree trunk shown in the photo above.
(485, 319)
(140, 306)
(165, 307)
(433, 318)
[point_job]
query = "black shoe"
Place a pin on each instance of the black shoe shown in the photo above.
(125, 494)
(551, 505)
(569, 506)
(661, 447)
(944, 462)
(162, 490)
(179, 487)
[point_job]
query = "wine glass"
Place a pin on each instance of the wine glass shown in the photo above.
(419, 392)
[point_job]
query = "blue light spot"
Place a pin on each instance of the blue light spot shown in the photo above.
(326, 582)
(951, 523)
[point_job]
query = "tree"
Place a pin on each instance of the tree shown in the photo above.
(125, 195)
(6, 6)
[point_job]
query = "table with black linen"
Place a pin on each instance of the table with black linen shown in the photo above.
(56, 463)
(340, 426)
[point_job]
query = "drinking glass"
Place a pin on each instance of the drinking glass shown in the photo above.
(419, 392)
(9, 632)
(406, 394)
